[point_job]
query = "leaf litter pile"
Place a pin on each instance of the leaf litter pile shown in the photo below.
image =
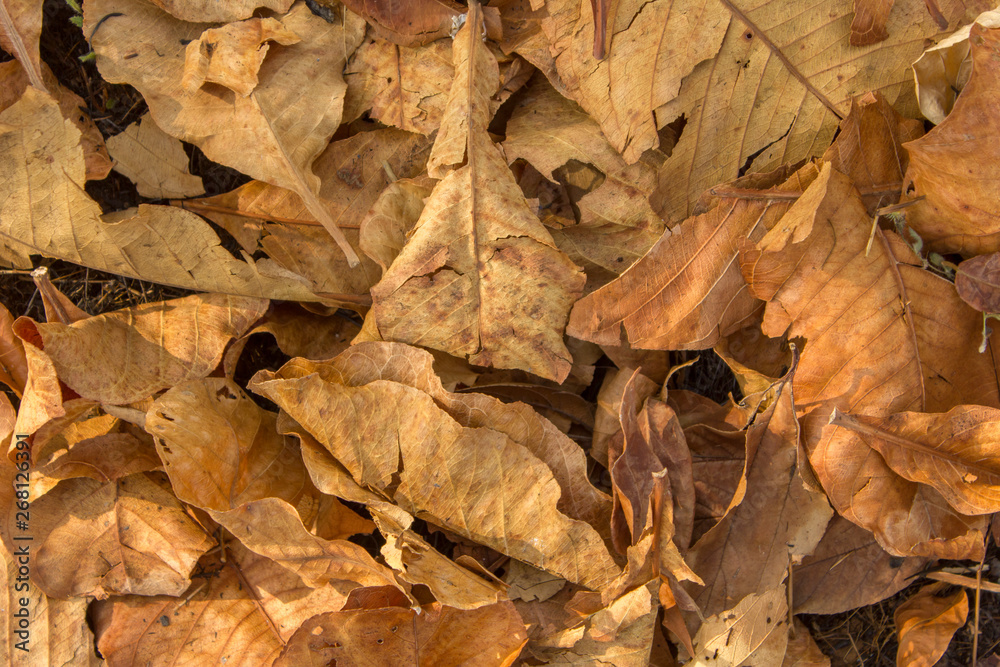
(488, 242)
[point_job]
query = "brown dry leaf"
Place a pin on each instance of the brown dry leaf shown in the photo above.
(155, 243)
(20, 28)
(954, 166)
(926, 624)
(389, 220)
(943, 70)
(232, 55)
(127, 536)
(487, 636)
(154, 161)
(58, 307)
(409, 23)
(354, 174)
(548, 130)
(847, 570)
(368, 362)
(954, 452)
(419, 563)
(893, 314)
(978, 282)
(687, 291)
(802, 650)
(219, 12)
(476, 482)
(870, 17)
(401, 86)
(480, 275)
(15, 82)
(276, 132)
(103, 458)
(53, 634)
(607, 419)
(651, 48)
(130, 354)
(13, 363)
(755, 631)
(777, 519)
(219, 621)
(300, 333)
(783, 79)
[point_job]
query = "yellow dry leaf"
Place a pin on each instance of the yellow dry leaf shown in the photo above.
(154, 161)
(221, 12)
(276, 132)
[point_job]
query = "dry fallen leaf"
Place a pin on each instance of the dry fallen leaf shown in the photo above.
(211, 11)
(755, 631)
(409, 23)
(813, 270)
(500, 290)
(273, 134)
(926, 624)
(954, 167)
(20, 28)
(978, 282)
(154, 160)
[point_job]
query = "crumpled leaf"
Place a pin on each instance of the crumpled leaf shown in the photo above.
(687, 291)
(154, 161)
(217, 622)
(755, 631)
(954, 166)
(13, 363)
(273, 219)
(652, 47)
(943, 70)
(978, 282)
(20, 28)
(410, 23)
(439, 635)
(777, 517)
(926, 623)
(275, 133)
(848, 553)
(232, 55)
(220, 12)
(768, 98)
(884, 306)
(154, 243)
(401, 86)
(368, 362)
(476, 482)
(127, 536)
(953, 452)
(143, 349)
(480, 275)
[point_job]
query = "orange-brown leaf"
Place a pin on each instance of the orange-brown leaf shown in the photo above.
(926, 624)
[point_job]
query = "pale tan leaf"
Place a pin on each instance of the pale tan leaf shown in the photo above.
(212, 11)
(275, 133)
(802, 650)
(401, 86)
(892, 314)
(154, 161)
(943, 70)
(926, 624)
(778, 518)
(489, 636)
(300, 333)
(474, 481)
(155, 243)
(954, 166)
(384, 229)
(127, 355)
(652, 47)
(232, 55)
(755, 631)
(480, 275)
(782, 80)
(20, 28)
(121, 537)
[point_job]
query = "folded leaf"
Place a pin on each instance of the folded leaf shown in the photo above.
(927, 623)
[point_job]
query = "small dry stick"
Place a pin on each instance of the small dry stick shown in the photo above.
(791, 614)
(975, 622)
